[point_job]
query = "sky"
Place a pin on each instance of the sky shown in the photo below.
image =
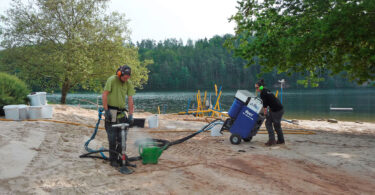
(180, 19)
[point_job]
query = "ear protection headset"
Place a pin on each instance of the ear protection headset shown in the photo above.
(123, 70)
(118, 72)
(260, 84)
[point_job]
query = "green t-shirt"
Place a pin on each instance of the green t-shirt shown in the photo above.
(118, 91)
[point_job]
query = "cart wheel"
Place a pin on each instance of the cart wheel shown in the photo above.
(235, 139)
(247, 139)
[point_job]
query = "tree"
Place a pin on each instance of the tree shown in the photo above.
(68, 43)
(312, 37)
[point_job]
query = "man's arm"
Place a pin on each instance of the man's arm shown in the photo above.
(104, 99)
(131, 105)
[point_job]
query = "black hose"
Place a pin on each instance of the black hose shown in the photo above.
(157, 142)
(208, 126)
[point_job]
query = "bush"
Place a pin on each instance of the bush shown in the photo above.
(12, 91)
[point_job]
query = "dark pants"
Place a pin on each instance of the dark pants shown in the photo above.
(114, 139)
(273, 120)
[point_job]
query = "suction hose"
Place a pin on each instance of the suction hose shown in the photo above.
(100, 113)
(161, 143)
(157, 142)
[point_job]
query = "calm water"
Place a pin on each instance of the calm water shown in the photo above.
(298, 104)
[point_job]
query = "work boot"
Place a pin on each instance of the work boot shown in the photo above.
(270, 143)
(115, 164)
(280, 142)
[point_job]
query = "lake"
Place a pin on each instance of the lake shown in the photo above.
(298, 104)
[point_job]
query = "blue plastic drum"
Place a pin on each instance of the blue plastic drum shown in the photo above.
(235, 108)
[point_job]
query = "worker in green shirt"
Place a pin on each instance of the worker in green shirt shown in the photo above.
(114, 103)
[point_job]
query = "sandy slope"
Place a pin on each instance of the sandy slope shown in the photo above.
(41, 157)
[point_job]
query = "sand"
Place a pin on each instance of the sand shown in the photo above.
(42, 157)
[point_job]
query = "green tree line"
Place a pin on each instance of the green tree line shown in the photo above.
(195, 65)
(205, 62)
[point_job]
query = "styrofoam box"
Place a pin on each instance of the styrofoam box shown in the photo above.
(42, 97)
(47, 111)
(35, 112)
(23, 112)
(38, 99)
(34, 99)
(16, 112)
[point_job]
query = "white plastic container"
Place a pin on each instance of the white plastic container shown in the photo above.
(34, 99)
(16, 112)
(243, 95)
(42, 97)
(47, 111)
(35, 112)
(11, 112)
(23, 112)
(153, 121)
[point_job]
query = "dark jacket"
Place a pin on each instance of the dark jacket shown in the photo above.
(270, 100)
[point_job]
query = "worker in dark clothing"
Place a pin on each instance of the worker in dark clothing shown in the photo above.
(273, 116)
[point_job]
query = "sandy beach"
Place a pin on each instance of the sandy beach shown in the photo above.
(42, 157)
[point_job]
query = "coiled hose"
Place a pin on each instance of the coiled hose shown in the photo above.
(101, 150)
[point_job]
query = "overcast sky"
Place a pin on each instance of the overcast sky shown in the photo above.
(161, 19)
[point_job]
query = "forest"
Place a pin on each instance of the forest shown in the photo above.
(201, 64)
(205, 62)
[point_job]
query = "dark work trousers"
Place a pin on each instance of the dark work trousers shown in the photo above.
(273, 120)
(114, 139)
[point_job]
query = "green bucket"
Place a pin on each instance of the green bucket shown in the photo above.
(150, 153)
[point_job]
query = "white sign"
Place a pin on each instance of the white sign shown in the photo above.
(255, 105)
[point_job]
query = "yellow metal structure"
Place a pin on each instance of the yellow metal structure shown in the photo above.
(201, 105)
(204, 100)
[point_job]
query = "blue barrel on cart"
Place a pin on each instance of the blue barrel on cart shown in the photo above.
(245, 122)
(235, 108)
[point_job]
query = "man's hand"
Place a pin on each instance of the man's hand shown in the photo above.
(108, 115)
(130, 118)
